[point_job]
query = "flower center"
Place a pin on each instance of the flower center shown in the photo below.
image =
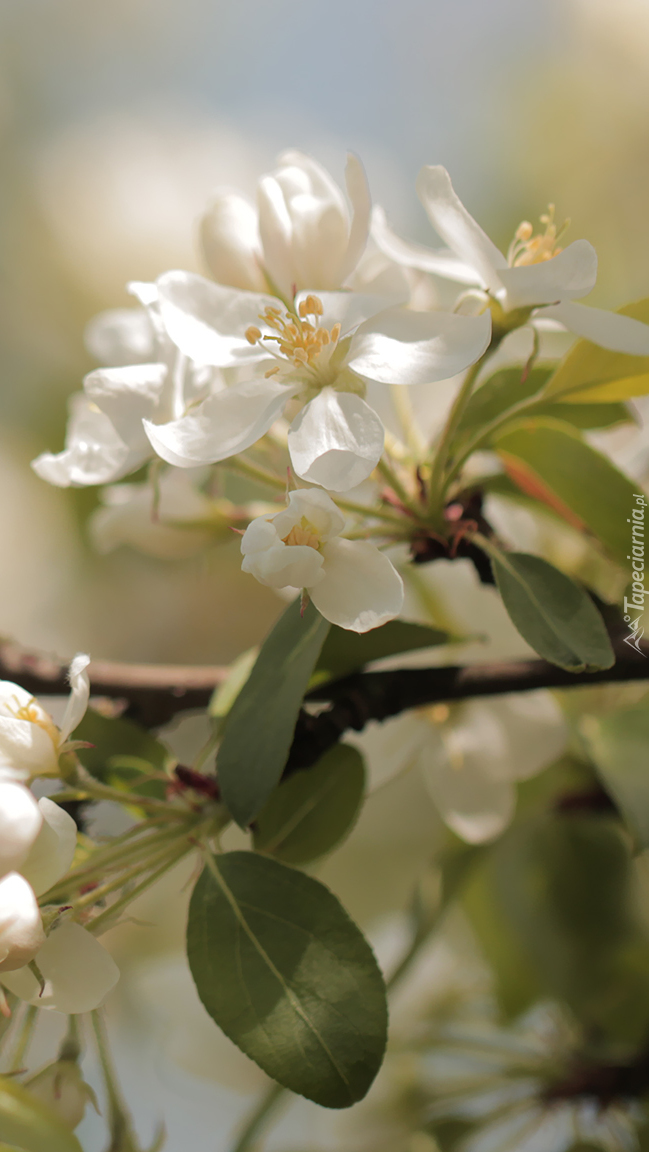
(299, 340)
(303, 533)
(526, 248)
(34, 715)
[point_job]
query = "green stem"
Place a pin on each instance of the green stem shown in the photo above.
(397, 487)
(402, 404)
(25, 1034)
(259, 1118)
(97, 894)
(104, 921)
(445, 445)
(103, 862)
(487, 431)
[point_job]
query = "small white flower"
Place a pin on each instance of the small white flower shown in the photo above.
(350, 582)
(471, 756)
(300, 235)
(78, 972)
(21, 928)
(61, 1087)
(147, 377)
(537, 273)
(20, 823)
(175, 522)
(321, 354)
(52, 851)
(30, 742)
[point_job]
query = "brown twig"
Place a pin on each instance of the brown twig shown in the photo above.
(155, 693)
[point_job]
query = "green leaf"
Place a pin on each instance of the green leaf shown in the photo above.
(564, 886)
(225, 695)
(29, 1125)
(312, 811)
(550, 462)
(117, 745)
(506, 388)
(288, 976)
(344, 652)
(619, 747)
(260, 725)
(589, 373)
(554, 615)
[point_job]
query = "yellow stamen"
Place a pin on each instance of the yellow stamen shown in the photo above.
(272, 371)
(303, 533)
(299, 340)
(526, 248)
(34, 715)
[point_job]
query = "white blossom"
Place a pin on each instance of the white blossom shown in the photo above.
(537, 273)
(300, 234)
(169, 521)
(77, 970)
(470, 756)
(61, 1087)
(321, 355)
(30, 742)
(146, 377)
(350, 582)
(21, 928)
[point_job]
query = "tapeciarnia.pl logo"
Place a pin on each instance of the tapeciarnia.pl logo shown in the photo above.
(634, 606)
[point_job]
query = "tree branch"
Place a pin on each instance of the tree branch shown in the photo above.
(155, 693)
(369, 696)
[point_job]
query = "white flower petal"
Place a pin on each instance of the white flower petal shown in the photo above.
(608, 329)
(78, 971)
(474, 805)
(128, 396)
(570, 274)
(391, 747)
(336, 440)
(315, 506)
(21, 928)
(284, 566)
(208, 321)
(361, 201)
(534, 730)
(440, 261)
(79, 694)
(26, 749)
(361, 589)
(222, 425)
(20, 823)
(93, 453)
(231, 244)
(403, 347)
(349, 309)
(457, 228)
(121, 336)
(52, 852)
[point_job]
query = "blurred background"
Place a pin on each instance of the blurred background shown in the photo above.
(116, 122)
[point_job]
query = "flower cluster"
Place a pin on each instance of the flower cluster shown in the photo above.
(45, 958)
(288, 348)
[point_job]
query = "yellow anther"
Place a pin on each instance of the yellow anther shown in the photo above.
(271, 372)
(299, 340)
(526, 248)
(303, 533)
(34, 715)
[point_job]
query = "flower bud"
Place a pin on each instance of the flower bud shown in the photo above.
(61, 1086)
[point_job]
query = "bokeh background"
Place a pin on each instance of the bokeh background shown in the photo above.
(116, 122)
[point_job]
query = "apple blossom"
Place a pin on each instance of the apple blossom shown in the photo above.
(30, 742)
(21, 927)
(62, 1088)
(350, 582)
(169, 520)
(301, 234)
(105, 439)
(321, 354)
(472, 756)
(77, 970)
(536, 274)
